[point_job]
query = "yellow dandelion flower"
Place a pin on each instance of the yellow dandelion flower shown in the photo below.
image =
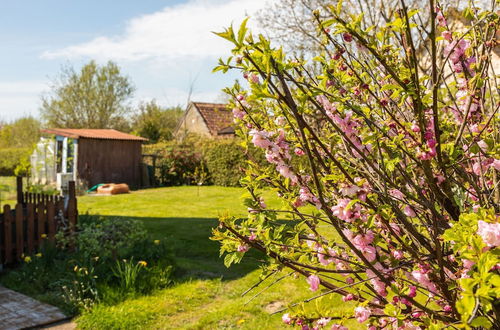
(44, 236)
(27, 259)
(142, 263)
(240, 322)
(38, 255)
(156, 241)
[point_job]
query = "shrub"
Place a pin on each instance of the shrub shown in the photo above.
(397, 204)
(225, 162)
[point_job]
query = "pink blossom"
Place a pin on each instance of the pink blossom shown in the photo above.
(349, 297)
(496, 164)
(299, 152)
(447, 35)
(362, 314)
(447, 308)
(347, 37)
(237, 113)
(240, 97)
(347, 214)
(323, 321)
(286, 318)
(260, 138)
(253, 78)
(252, 237)
(421, 277)
(440, 18)
(349, 280)
(313, 281)
(338, 327)
(377, 284)
(396, 194)
(397, 254)
(413, 291)
(409, 212)
(363, 240)
(325, 259)
(489, 232)
(243, 248)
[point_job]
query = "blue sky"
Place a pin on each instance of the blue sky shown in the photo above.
(163, 46)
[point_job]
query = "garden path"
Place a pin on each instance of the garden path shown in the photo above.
(18, 311)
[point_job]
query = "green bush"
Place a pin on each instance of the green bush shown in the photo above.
(225, 161)
(10, 158)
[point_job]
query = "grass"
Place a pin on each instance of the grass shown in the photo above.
(207, 295)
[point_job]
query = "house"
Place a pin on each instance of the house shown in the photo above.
(207, 119)
(87, 156)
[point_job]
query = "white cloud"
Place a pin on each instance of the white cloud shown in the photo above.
(20, 98)
(183, 30)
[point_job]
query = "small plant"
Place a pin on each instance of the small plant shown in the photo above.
(127, 272)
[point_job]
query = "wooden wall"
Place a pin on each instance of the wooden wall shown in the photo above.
(109, 161)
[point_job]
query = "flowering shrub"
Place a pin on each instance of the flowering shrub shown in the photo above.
(388, 162)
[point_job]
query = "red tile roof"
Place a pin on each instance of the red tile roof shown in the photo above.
(104, 134)
(216, 115)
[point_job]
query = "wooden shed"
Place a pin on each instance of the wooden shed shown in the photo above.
(88, 156)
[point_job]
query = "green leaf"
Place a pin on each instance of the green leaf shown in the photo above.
(242, 31)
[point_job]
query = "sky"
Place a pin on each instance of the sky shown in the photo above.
(166, 47)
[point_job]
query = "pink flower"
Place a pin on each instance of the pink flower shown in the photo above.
(447, 35)
(408, 211)
(347, 37)
(361, 313)
(323, 321)
(349, 297)
(440, 18)
(338, 327)
(252, 237)
(253, 78)
(397, 254)
(299, 152)
(237, 113)
(286, 318)
(396, 194)
(313, 281)
(260, 138)
(240, 97)
(243, 248)
(413, 291)
(421, 277)
(489, 232)
(347, 214)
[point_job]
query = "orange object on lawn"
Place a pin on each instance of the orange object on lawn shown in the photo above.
(113, 188)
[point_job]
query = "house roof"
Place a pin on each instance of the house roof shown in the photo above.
(87, 133)
(217, 117)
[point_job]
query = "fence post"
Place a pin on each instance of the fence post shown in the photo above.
(19, 184)
(31, 228)
(72, 207)
(19, 231)
(7, 218)
(41, 223)
(51, 219)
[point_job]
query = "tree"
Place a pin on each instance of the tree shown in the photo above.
(290, 23)
(17, 141)
(156, 123)
(95, 97)
(393, 198)
(21, 133)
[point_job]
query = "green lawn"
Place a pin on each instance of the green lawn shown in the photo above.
(207, 295)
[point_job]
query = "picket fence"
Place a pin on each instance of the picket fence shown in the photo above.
(34, 220)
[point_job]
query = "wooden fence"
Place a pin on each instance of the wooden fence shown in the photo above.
(35, 219)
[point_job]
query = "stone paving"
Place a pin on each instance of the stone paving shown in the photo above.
(18, 311)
